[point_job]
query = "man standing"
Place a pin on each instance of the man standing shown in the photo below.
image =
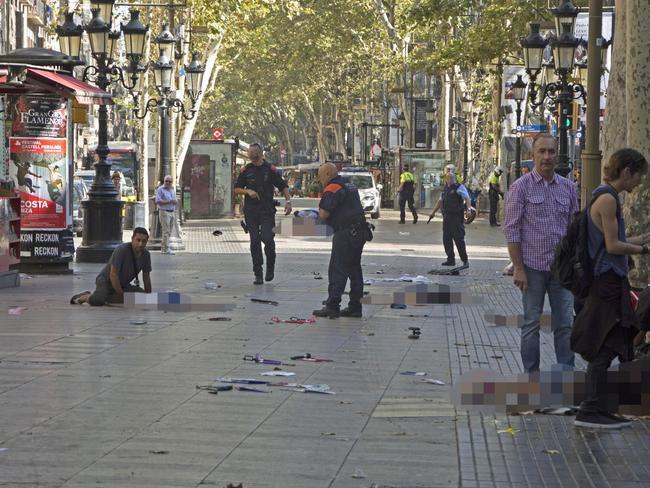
(166, 202)
(453, 201)
(123, 267)
(539, 208)
(494, 193)
(406, 191)
(257, 181)
(340, 206)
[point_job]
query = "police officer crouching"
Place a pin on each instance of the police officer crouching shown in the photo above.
(257, 181)
(341, 208)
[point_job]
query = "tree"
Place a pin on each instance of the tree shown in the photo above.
(627, 115)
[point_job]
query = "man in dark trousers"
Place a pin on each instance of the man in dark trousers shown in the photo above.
(406, 191)
(257, 181)
(453, 201)
(494, 193)
(123, 267)
(340, 207)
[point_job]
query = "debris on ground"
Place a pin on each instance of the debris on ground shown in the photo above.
(432, 381)
(211, 285)
(294, 320)
(217, 233)
(317, 276)
(379, 271)
(359, 474)
(405, 233)
(16, 310)
(398, 306)
(24, 276)
(252, 390)
(415, 332)
(231, 485)
(413, 373)
(246, 381)
(260, 360)
(220, 319)
(138, 322)
(551, 451)
(509, 430)
(557, 411)
(265, 301)
(158, 452)
(309, 358)
(278, 373)
(214, 389)
(303, 388)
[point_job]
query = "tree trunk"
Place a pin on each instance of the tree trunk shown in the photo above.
(188, 129)
(627, 117)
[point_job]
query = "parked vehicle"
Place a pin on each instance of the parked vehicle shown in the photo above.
(369, 191)
(79, 193)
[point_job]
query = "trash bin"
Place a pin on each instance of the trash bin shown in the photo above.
(127, 222)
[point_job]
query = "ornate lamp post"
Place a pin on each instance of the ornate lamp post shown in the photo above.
(519, 92)
(558, 91)
(102, 228)
(430, 115)
(401, 120)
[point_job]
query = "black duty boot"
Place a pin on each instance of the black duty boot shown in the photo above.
(327, 312)
(351, 312)
(415, 218)
(449, 262)
(259, 280)
(270, 272)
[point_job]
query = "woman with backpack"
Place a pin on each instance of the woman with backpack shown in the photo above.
(605, 327)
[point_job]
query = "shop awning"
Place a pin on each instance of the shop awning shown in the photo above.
(68, 86)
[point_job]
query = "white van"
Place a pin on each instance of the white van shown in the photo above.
(369, 192)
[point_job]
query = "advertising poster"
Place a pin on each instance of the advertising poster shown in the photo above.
(39, 168)
(40, 116)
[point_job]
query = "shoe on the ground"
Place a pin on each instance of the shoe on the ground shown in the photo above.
(449, 262)
(327, 312)
(415, 218)
(618, 417)
(598, 420)
(495, 225)
(402, 222)
(258, 279)
(270, 273)
(75, 298)
(466, 263)
(351, 312)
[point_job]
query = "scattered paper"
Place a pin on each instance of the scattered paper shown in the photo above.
(413, 373)
(433, 382)
(137, 322)
(551, 451)
(17, 310)
(509, 430)
(211, 285)
(278, 373)
(359, 474)
(405, 233)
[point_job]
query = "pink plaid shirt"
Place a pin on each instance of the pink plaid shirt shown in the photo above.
(538, 214)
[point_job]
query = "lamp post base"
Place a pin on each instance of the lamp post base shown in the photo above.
(102, 230)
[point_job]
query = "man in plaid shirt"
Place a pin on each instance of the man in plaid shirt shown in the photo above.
(539, 208)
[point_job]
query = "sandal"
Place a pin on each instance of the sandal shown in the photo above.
(75, 298)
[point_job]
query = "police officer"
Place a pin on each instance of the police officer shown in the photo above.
(453, 201)
(341, 208)
(494, 193)
(406, 191)
(257, 181)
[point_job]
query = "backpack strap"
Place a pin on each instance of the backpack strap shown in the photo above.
(135, 266)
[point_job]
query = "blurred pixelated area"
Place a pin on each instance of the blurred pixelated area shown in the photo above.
(173, 302)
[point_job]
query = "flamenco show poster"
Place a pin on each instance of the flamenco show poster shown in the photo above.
(39, 163)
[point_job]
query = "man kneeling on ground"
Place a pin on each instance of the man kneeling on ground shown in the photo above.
(123, 267)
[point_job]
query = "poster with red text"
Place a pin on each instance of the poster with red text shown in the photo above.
(40, 171)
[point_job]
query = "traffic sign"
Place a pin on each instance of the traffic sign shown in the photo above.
(531, 128)
(217, 134)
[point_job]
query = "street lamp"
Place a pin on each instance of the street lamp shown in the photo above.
(430, 115)
(557, 91)
(519, 93)
(102, 227)
(402, 124)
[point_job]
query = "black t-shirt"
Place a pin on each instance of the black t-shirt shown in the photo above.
(262, 179)
(341, 200)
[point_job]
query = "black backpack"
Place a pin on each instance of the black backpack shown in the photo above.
(572, 265)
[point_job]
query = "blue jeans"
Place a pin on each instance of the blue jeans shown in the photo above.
(539, 284)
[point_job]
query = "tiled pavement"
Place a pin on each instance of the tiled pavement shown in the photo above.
(89, 399)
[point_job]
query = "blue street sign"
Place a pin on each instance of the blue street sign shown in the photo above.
(532, 128)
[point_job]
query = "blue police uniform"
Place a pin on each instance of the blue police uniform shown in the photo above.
(260, 213)
(341, 200)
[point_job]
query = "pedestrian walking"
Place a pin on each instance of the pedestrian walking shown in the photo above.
(116, 178)
(454, 201)
(166, 202)
(123, 267)
(257, 181)
(406, 192)
(494, 193)
(539, 208)
(340, 206)
(606, 325)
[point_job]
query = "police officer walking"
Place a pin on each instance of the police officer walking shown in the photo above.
(494, 193)
(453, 201)
(340, 207)
(406, 191)
(257, 181)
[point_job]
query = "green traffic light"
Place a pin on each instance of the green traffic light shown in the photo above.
(568, 123)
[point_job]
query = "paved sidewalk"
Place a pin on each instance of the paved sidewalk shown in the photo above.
(90, 399)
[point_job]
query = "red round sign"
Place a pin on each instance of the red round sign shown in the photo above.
(217, 134)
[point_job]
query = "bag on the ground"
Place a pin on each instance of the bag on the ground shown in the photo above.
(572, 265)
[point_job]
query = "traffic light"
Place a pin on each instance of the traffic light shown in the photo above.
(568, 122)
(575, 116)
